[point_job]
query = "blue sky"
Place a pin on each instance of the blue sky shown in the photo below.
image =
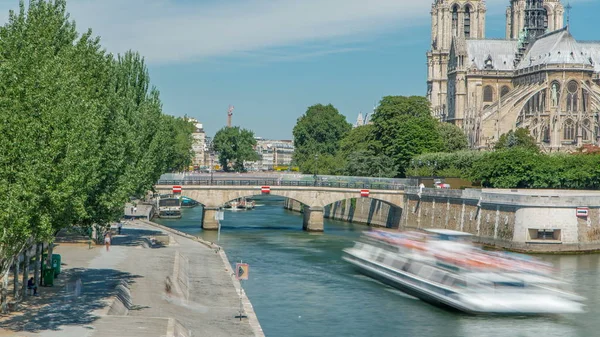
(272, 59)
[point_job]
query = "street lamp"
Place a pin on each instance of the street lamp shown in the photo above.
(316, 167)
(212, 166)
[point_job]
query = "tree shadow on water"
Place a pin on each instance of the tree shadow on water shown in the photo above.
(62, 305)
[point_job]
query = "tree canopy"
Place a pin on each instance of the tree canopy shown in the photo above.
(319, 132)
(235, 146)
(404, 128)
(454, 138)
(81, 131)
(520, 138)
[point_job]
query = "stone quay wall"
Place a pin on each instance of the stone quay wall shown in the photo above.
(512, 219)
(366, 211)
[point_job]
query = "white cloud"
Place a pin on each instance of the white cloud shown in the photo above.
(167, 31)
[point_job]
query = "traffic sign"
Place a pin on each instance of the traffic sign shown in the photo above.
(241, 271)
(582, 212)
(364, 193)
(176, 189)
(265, 189)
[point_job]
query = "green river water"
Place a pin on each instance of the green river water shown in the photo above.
(300, 286)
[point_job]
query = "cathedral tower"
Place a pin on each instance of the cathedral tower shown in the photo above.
(449, 19)
(520, 12)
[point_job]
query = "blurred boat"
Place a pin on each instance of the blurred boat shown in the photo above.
(188, 203)
(443, 268)
(246, 204)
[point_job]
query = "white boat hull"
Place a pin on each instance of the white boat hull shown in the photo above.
(469, 302)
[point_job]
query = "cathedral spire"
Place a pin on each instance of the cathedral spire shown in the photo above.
(535, 16)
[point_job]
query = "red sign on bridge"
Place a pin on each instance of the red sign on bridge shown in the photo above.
(176, 189)
(265, 189)
(364, 193)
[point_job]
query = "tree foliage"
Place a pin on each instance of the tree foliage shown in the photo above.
(235, 146)
(319, 132)
(453, 137)
(404, 128)
(520, 138)
(81, 130)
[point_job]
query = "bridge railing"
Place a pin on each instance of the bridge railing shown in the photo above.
(276, 182)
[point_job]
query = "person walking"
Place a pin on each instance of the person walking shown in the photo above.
(107, 241)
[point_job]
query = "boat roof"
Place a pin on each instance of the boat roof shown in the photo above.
(448, 232)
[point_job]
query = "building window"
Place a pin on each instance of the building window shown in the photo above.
(505, 90)
(467, 21)
(544, 234)
(546, 135)
(569, 130)
(488, 94)
(585, 100)
(572, 100)
(545, 19)
(455, 20)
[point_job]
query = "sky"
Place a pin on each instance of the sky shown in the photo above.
(272, 59)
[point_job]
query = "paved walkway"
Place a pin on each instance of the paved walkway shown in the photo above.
(208, 310)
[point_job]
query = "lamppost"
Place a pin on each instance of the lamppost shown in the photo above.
(316, 167)
(212, 166)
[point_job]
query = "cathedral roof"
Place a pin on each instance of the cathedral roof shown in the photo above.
(558, 47)
(592, 49)
(502, 53)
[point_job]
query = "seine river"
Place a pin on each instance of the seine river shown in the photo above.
(300, 286)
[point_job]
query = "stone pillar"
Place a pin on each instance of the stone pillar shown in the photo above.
(208, 219)
(313, 219)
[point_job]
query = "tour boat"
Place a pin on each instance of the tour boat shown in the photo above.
(440, 267)
(188, 203)
(169, 208)
(246, 204)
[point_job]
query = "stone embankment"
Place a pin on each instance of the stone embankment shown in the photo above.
(153, 282)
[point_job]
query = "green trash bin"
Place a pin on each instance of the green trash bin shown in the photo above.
(48, 277)
(56, 260)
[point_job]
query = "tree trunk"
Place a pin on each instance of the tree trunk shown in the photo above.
(26, 258)
(4, 294)
(38, 263)
(16, 279)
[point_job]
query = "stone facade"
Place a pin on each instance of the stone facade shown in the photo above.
(539, 77)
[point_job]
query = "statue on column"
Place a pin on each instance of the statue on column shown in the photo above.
(554, 94)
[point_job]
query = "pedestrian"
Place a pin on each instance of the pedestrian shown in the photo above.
(31, 286)
(131, 209)
(107, 241)
(135, 209)
(119, 227)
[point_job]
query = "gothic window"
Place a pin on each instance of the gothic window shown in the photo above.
(467, 21)
(586, 130)
(572, 101)
(546, 14)
(569, 130)
(505, 90)
(455, 20)
(488, 94)
(546, 134)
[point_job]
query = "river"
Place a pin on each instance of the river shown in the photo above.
(300, 286)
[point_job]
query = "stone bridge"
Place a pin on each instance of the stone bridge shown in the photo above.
(314, 199)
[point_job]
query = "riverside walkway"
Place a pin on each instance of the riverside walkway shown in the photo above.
(140, 288)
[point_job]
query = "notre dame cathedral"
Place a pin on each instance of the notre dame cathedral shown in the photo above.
(539, 77)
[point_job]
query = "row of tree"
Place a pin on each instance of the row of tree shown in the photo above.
(81, 130)
(401, 128)
(516, 163)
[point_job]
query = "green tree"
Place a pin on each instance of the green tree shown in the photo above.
(404, 128)
(365, 163)
(520, 138)
(454, 137)
(361, 138)
(319, 131)
(235, 146)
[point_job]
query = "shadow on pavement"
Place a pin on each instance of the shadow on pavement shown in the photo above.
(64, 304)
(133, 237)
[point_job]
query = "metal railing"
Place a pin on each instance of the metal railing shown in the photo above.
(288, 183)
